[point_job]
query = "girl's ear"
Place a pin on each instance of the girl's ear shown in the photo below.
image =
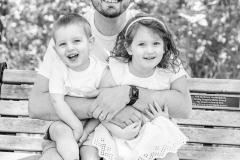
(91, 42)
(128, 48)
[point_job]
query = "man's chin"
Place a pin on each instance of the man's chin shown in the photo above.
(108, 15)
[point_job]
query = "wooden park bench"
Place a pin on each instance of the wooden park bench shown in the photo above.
(213, 128)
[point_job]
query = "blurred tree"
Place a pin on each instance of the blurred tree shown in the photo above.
(208, 31)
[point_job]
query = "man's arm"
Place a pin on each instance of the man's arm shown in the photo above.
(178, 99)
(111, 100)
(40, 105)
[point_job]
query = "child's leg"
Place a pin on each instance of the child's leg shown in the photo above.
(89, 153)
(66, 143)
(170, 156)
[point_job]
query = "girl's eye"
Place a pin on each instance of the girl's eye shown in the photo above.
(77, 40)
(141, 44)
(156, 43)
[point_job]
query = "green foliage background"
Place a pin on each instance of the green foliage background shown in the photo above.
(208, 31)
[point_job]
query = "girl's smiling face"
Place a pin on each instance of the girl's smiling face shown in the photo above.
(147, 50)
(73, 46)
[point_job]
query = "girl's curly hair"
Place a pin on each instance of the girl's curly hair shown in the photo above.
(171, 59)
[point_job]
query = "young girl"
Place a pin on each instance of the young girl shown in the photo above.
(145, 55)
(73, 74)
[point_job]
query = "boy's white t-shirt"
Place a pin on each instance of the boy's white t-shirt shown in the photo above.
(66, 81)
(102, 47)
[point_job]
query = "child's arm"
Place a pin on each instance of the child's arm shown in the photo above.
(88, 128)
(66, 114)
(155, 111)
(128, 132)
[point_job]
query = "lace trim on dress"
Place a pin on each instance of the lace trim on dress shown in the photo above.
(108, 150)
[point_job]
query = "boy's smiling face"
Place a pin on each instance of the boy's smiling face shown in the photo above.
(73, 46)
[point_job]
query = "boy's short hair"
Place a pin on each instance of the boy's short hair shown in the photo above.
(69, 19)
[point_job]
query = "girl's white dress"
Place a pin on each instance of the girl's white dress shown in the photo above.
(157, 137)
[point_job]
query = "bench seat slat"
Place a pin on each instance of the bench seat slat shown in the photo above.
(223, 136)
(22, 125)
(205, 135)
(197, 118)
(19, 143)
(188, 152)
(14, 156)
(14, 108)
(185, 152)
(19, 76)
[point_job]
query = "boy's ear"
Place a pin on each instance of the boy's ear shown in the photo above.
(91, 42)
(128, 48)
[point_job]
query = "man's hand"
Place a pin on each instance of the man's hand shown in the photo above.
(109, 102)
(126, 116)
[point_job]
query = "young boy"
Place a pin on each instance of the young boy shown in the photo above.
(73, 73)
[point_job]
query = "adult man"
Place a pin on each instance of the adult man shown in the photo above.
(107, 20)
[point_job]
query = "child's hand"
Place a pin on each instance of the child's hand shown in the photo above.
(132, 130)
(83, 138)
(156, 111)
(77, 134)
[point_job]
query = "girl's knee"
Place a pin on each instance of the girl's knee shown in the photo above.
(89, 153)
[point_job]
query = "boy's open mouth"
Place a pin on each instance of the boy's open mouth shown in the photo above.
(72, 56)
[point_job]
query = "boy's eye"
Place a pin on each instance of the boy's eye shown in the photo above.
(62, 44)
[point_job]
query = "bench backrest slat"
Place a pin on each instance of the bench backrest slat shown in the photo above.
(214, 85)
(17, 92)
(212, 118)
(195, 84)
(19, 76)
